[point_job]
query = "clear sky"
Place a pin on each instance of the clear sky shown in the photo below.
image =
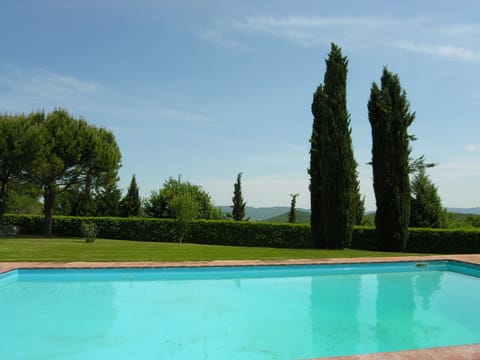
(211, 88)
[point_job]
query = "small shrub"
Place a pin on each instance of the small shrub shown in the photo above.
(89, 231)
(9, 230)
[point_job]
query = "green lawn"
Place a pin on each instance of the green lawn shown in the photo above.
(74, 249)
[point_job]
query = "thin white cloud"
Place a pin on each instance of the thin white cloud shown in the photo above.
(24, 90)
(472, 148)
(463, 30)
(272, 22)
(314, 30)
(445, 51)
(218, 38)
(47, 84)
(430, 36)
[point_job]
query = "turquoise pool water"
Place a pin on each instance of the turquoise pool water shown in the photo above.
(271, 312)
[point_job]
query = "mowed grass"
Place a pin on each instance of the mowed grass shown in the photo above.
(75, 249)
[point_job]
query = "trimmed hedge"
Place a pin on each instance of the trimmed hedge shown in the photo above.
(443, 241)
(425, 240)
(214, 232)
(242, 233)
(363, 238)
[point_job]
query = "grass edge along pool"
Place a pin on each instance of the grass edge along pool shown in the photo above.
(239, 272)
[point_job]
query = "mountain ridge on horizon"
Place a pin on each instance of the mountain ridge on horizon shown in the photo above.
(268, 212)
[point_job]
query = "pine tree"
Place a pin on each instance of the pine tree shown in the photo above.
(332, 166)
(292, 215)
(238, 208)
(389, 115)
(426, 207)
(131, 203)
(108, 200)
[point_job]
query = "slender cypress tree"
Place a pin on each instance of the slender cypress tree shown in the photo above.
(131, 203)
(332, 166)
(238, 208)
(292, 215)
(389, 115)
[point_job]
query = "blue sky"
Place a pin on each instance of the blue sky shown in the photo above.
(207, 89)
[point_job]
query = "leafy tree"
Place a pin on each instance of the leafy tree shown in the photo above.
(238, 207)
(18, 146)
(185, 209)
(71, 152)
(78, 200)
(332, 165)
(108, 200)
(159, 203)
(24, 198)
(131, 204)
(426, 207)
(389, 115)
(292, 215)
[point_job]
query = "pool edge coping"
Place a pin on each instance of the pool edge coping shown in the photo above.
(469, 352)
(17, 265)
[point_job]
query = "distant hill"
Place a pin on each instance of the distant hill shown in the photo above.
(474, 211)
(457, 217)
(271, 213)
(263, 213)
(302, 217)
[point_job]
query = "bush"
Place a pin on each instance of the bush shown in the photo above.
(239, 233)
(443, 241)
(425, 240)
(215, 232)
(27, 224)
(363, 238)
(8, 230)
(243, 233)
(89, 231)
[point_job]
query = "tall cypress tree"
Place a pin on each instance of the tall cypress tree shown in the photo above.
(389, 115)
(332, 166)
(238, 208)
(131, 203)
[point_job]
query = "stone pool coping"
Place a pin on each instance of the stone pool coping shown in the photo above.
(467, 352)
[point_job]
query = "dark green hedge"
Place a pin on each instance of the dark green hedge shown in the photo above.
(443, 241)
(250, 234)
(363, 238)
(215, 232)
(424, 240)
(28, 224)
(219, 232)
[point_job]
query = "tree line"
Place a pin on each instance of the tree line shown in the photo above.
(73, 166)
(56, 163)
(334, 187)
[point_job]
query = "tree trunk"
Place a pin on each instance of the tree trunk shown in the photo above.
(3, 201)
(49, 203)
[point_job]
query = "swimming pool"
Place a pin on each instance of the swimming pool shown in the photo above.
(263, 312)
